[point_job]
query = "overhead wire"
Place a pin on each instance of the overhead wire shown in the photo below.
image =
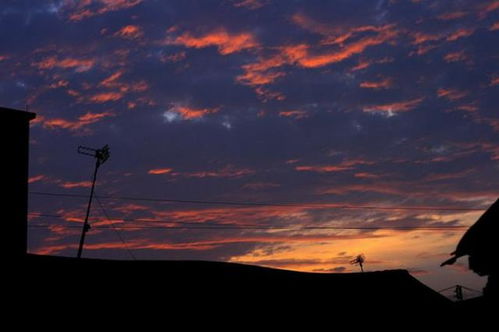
(264, 204)
(127, 248)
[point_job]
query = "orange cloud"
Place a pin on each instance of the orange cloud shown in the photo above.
(383, 84)
(363, 64)
(188, 113)
(114, 82)
(81, 184)
(485, 9)
(225, 42)
(83, 120)
(144, 243)
(333, 35)
(343, 166)
(468, 108)
(494, 123)
(111, 81)
(392, 108)
(494, 80)
(452, 15)
(36, 178)
(447, 176)
(59, 84)
(461, 33)
(420, 37)
(294, 114)
(264, 71)
(456, 56)
(494, 26)
(451, 94)
(106, 97)
(250, 4)
(80, 65)
(266, 95)
(258, 77)
(226, 172)
(195, 113)
(130, 32)
(160, 171)
(129, 208)
(81, 10)
(312, 61)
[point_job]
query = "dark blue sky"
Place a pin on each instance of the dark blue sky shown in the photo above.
(385, 103)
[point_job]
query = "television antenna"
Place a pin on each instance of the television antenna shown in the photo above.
(359, 260)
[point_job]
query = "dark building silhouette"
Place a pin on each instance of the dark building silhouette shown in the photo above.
(14, 138)
(194, 287)
(480, 244)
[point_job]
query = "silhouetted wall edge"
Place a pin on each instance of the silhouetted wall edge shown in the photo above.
(14, 134)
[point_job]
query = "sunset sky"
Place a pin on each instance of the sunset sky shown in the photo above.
(304, 106)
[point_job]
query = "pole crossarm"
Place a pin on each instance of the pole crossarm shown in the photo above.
(101, 154)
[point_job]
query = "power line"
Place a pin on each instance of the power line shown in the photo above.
(142, 220)
(252, 226)
(115, 229)
(222, 227)
(264, 204)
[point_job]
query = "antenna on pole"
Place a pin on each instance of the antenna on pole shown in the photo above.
(359, 260)
(100, 155)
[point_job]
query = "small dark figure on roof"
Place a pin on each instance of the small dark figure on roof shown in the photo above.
(480, 244)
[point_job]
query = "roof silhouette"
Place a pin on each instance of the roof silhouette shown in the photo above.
(478, 243)
(235, 284)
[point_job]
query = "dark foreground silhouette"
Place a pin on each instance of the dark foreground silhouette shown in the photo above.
(479, 243)
(228, 284)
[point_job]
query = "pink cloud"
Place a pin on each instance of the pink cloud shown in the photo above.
(84, 9)
(37, 178)
(105, 97)
(80, 65)
(81, 184)
(157, 171)
(225, 42)
(297, 114)
(452, 15)
(250, 4)
(345, 165)
(129, 32)
(392, 108)
(228, 171)
(451, 94)
(460, 33)
(381, 84)
(455, 56)
(82, 121)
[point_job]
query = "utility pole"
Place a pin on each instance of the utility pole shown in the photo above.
(100, 155)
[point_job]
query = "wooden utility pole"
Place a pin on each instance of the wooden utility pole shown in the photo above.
(100, 155)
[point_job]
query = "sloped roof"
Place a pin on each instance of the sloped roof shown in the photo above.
(391, 290)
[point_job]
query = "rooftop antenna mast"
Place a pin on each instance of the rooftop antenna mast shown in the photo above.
(100, 155)
(359, 260)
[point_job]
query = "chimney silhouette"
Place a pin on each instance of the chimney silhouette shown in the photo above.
(14, 140)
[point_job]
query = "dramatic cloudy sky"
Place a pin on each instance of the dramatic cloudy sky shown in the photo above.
(387, 103)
